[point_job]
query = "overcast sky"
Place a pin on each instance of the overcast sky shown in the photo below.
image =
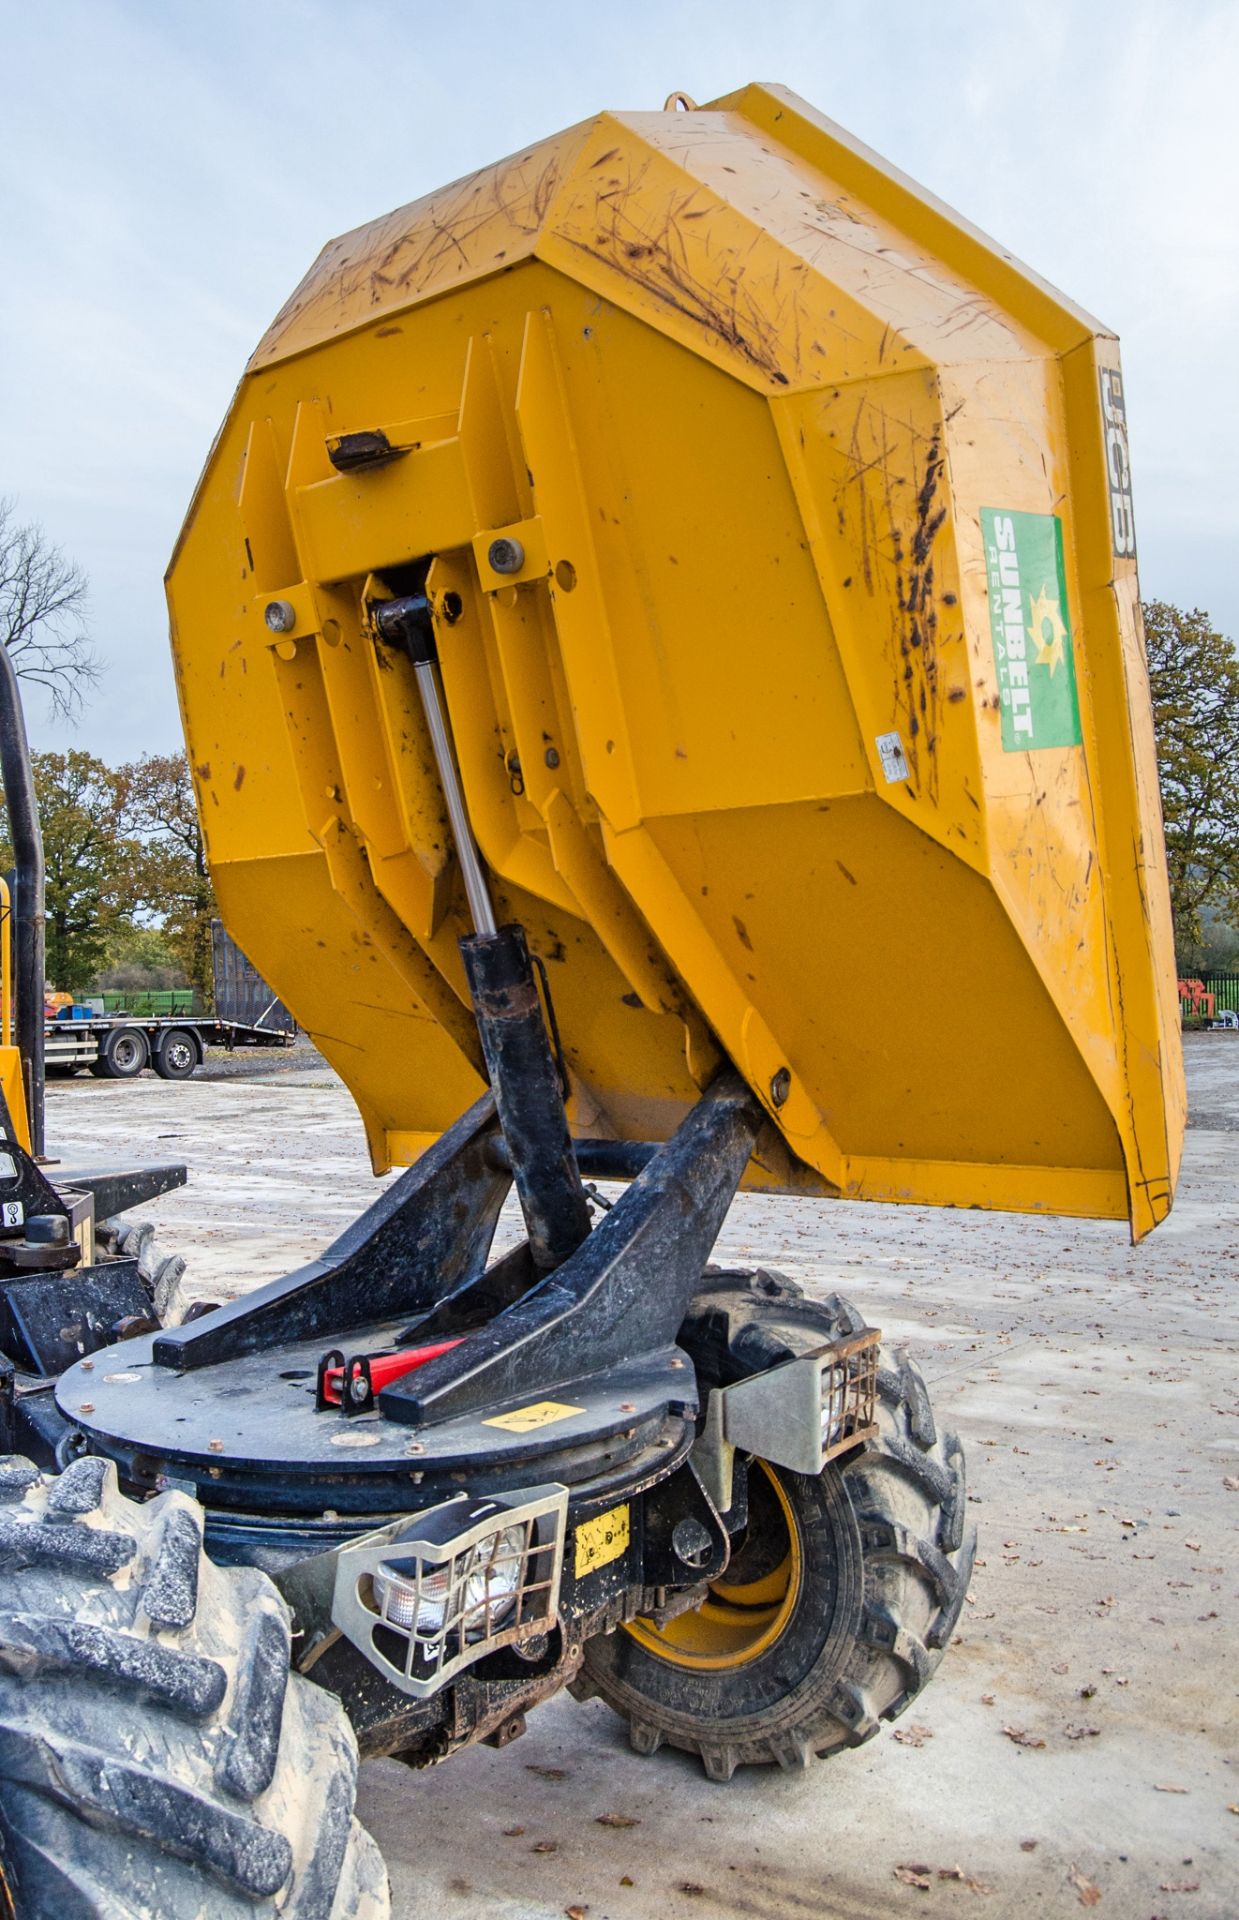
(170, 170)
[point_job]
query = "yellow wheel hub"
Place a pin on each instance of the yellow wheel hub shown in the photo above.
(739, 1619)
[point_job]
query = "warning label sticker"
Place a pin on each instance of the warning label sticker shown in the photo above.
(543, 1413)
(893, 759)
(600, 1541)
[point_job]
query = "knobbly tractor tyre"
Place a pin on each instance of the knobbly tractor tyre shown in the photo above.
(158, 1759)
(841, 1594)
(122, 1055)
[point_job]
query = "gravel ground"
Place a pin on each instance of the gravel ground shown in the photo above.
(1078, 1745)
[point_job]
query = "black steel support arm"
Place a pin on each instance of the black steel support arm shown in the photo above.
(428, 1234)
(28, 933)
(622, 1294)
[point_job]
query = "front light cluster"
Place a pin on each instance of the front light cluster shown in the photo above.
(471, 1596)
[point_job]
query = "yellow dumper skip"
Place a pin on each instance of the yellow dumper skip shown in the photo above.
(778, 531)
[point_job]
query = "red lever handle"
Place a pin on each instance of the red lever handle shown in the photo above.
(386, 1367)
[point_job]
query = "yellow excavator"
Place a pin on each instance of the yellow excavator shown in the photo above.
(637, 592)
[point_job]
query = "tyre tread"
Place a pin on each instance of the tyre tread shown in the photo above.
(907, 1492)
(224, 1784)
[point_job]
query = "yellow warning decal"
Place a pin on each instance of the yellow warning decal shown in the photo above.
(602, 1540)
(543, 1413)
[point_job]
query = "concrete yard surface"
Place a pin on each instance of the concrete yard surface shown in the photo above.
(1078, 1746)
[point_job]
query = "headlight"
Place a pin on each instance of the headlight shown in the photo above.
(472, 1599)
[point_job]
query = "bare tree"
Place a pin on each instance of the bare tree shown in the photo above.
(42, 614)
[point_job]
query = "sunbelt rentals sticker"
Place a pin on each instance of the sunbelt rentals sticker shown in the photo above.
(1031, 629)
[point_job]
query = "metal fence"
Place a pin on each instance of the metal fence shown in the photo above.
(1205, 995)
(1225, 990)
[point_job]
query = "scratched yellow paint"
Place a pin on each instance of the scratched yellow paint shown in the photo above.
(731, 738)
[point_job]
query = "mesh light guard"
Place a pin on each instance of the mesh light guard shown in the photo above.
(849, 1391)
(420, 1659)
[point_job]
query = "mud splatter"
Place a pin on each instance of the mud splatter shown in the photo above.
(656, 259)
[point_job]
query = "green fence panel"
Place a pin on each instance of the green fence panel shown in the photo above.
(1225, 990)
(158, 1004)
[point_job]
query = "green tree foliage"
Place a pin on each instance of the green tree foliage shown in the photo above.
(173, 879)
(1194, 678)
(92, 858)
(127, 880)
(139, 960)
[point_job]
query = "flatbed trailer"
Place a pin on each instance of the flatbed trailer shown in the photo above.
(119, 1046)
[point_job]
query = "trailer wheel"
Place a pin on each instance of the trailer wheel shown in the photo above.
(176, 1056)
(841, 1595)
(158, 1759)
(122, 1055)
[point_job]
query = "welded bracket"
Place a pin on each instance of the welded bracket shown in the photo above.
(799, 1415)
(714, 1456)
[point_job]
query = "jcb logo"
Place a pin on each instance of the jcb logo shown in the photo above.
(1118, 464)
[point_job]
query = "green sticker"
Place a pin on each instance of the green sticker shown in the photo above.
(1031, 629)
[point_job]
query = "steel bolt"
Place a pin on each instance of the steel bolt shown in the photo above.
(215, 1446)
(506, 556)
(87, 1406)
(780, 1086)
(358, 1389)
(552, 757)
(280, 616)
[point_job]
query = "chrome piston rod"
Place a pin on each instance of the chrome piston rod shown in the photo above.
(407, 622)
